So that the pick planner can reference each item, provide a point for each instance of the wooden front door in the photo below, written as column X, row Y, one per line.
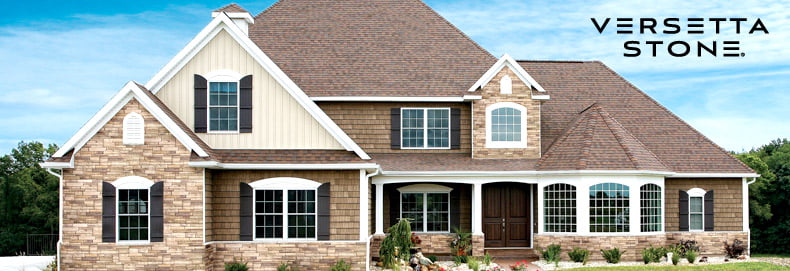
column 506, row 215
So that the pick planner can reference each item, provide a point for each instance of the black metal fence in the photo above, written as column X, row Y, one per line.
column 41, row 244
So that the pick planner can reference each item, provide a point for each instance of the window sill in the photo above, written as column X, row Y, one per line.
column 223, row 132
column 133, row 243
column 437, row 148
column 591, row 234
column 282, row 240
column 506, row 145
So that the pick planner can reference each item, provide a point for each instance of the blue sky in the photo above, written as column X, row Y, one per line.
column 65, row 59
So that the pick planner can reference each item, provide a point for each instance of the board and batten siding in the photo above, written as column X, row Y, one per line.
column 278, row 122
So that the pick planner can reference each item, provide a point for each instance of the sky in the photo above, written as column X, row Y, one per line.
column 65, row 59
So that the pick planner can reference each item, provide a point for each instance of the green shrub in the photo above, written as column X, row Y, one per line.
column 286, row 267
column 653, row 254
column 433, row 258
column 341, row 266
column 552, row 253
column 399, row 237
column 579, row 255
column 459, row 259
column 735, row 249
column 236, row 266
column 691, row 256
column 675, row 258
column 612, row 255
column 473, row 264
column 684, row 246
column 487, row 259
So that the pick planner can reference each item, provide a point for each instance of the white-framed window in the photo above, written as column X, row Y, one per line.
column 133, row 129
column 506, row 125
column 609, row 208
column 425, row 128
column 223, row 101
column 559, row 208
column 285, row 208
column 133, row 209
column 650, row 208
column 696, row 209
column 428, row 206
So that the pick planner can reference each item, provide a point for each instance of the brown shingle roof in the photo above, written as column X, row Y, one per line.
column 369, row 48
column 449, row 162
column 231, row 8
column 287, row 156
column 576, row 85
column 596, row 141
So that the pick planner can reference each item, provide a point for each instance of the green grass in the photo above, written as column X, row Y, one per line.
column 770, row 255
column 717, row 267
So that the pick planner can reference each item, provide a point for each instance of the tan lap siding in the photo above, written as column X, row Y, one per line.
column 727, row 201
column 105, row 159
column 344, row 189
column 368, row 123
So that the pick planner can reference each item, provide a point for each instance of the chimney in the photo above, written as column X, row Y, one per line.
column 238, row 15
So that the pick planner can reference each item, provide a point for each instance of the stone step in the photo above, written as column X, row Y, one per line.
column 514, row 253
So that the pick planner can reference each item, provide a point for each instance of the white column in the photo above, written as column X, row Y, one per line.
column 540, row 188
column 477, row 209
column 634, row 219
column 582, row 207
column 379, row 209
column 363, row 206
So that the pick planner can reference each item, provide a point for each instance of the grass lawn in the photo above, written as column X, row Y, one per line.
column 771, row 255
column 754, row 266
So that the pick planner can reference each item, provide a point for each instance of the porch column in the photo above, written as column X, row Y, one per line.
column 379, row 209
column 477, row 209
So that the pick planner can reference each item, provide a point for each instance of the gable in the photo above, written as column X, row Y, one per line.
column 279, row 121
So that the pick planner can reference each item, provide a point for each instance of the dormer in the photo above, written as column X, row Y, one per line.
column 506, row 120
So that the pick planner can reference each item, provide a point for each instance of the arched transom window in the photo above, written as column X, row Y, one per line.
column 506, row 125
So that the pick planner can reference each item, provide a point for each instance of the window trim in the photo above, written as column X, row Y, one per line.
column 575, row 200
column 426, row 189
column 697, row 193
column 222, row 76
column 283, row 184
column 660, row 211
column 131, row 183
column 425, row 128
column 490, row 143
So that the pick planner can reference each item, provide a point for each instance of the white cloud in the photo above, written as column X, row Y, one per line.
column 738, row 134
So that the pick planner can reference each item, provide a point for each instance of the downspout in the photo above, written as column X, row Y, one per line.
column 749, row 232
column 367, row 245
column 60, row 212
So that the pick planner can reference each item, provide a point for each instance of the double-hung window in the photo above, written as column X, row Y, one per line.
column 133, row 214
column 223, row 106
column 696, row 214
column 427, row 206
column 289, row 213
column 425, row 128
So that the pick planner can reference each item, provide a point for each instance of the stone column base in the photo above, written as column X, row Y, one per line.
column 478, row 245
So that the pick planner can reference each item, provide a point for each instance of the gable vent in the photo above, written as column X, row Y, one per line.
column 133, row 129
column 506, row 85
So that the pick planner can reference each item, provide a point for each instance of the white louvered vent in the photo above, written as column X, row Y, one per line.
column 505, row 85
column 133, row 129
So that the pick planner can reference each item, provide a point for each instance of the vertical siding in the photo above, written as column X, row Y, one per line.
column 279, row 122
column 727, row 202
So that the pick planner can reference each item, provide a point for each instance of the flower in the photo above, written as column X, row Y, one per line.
column 415, row 240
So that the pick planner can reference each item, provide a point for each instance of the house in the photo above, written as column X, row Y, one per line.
column 299, row 135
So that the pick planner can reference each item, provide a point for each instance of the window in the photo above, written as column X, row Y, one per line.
column 425, row 128
column 506, row 126
column 285, row 208
column 132, row 214
column 133, row 129
column 609, row 208
column 428, row 205
column 695, row 214
column 559, row 208
column 650, row 208
column 223, row 106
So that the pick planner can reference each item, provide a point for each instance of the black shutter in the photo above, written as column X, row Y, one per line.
column 108, row 213
column 245, row 104
column 201, row 86
column 394, row 206
column 245, row 212
column 324, row 222
column 455, row 128
column 157, row 212
column 683, row 210
column 709, row 211
column 395, row 128
column 455, row 209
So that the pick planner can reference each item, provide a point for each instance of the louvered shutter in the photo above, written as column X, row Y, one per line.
column 157, row 212
column 245, row 212
column 324, row 221
column 201, row 106
column 395, row 128
column 683, row 210
column 455, row 128
column 108, row 213
column 709, row 211
column 245, row 104
column 455, row 209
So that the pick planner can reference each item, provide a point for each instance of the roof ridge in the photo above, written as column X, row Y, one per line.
column 621, row 141
column 233, row 7
column 561, row 137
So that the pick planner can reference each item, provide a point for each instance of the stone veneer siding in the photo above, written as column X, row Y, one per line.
column 433, row 244
column 223, row 211
column 303, row 255
column 727, row 201
column 522, row 95
column 368, row 124
column 105, row 159
column 710, row 243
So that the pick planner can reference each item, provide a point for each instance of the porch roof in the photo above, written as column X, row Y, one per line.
column 449, row 162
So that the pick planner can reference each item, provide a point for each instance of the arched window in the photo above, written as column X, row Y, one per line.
column 609, row 208
column 285, row 208
column 650, row 208
column 505, row 85
column 506, row 125
column 133, row 129
column 559, row 208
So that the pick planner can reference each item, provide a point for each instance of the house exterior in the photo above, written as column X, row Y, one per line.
column 299, row 135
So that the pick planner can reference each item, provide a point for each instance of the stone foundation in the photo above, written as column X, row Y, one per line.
column 710, row 243
column 303, row 255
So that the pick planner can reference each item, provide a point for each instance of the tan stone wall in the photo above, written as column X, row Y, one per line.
column 522, row 95
column 105, row 159
column 368, row 124
column 303, row 255
column 224, row 210
column 727, row 201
